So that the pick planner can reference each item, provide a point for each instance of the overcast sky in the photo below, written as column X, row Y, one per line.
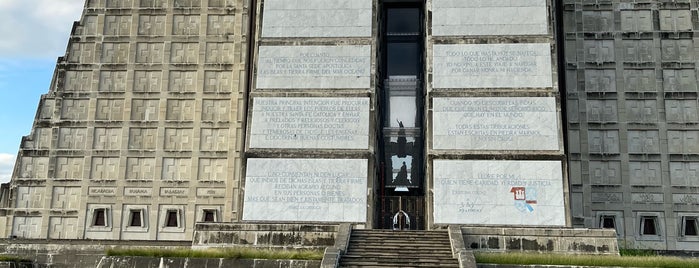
column 34, row 34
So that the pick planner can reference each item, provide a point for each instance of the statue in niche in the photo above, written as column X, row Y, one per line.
column 402, row 176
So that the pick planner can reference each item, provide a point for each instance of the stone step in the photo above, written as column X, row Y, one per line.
column 398, row 262
column 377, row 248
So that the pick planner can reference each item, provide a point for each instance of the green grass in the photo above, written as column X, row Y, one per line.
column 585, row 260
column 228, row 253
column 12, row 258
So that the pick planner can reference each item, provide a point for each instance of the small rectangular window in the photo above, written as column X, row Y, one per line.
column 649, row 225
column 172, row 219
column 136, row 219
column 689, row 226
column 99, row 217
column 209, row 215
column 608, row 222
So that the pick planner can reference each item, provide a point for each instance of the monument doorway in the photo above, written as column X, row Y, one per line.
column 401, row 108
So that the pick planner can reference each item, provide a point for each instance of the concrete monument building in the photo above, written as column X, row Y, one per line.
column 387, row 114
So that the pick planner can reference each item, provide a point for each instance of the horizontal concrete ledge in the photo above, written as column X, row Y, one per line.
column 265, row 235
column 542, row 266
column 538, row 231
column 253, row 226
column 90, row 242
column 150, row 262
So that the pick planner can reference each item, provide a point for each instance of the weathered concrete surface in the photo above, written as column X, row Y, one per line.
column 331, row 257
column 148, row 262
column 553, row 240
column 264, row 235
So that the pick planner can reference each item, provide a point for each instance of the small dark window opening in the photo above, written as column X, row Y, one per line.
column 172, row 219
column 99, row 217
column 648, row 226
column 690, row 226
column 209, row 215
column 608, row 222
column 136, row 219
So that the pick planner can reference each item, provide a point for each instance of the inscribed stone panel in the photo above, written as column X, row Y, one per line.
column 63, row 228
column 339, row 123
column 40, row 139
column 647, row 198
column 78, row 81
column 74, row 109
column 214, row 139
column 183, row 81
column 683, row 142
column 598, row 21
column 117, row 25
column 484, row 17
column 140, row 168
column 677, row 50
column 308, row 190
column 679, row 80
column 512, row 123
column 689, row 199
column 186, row 3
column 110, row 109
column 46, row 108
column 221, row 3
column 144, row 109
column 314, row 67
column 684, row 173
column 213, row 169
column 218, row 82
column 645, row 173
column 178, row 139
column 602, row 111
column 639, row 80
column 65, row 198
column 220, row 25
column 115, row 53
column 105, row 168
column 317, row 18
column 681, row 111
column 69, row 167
column 180, row 110
column 27, row 227
column 153, row 3
column 186, row 24
column 72, row 138
column 600, row 80
column 636, row 21
column 107, row 139
column 112, row 81
column 603, row 141
column 638, row 50
column 176, row 169
column 119, row 4
column 523, row 193
column 149, row 52
column 675, row 20
column 142, row 138
column 605, row 172
column 30, row 197
column 35, row 167
column 643, row 141
column 187, row 53
column 598, row 51
column 641, row 111
column 216, row 110
column 151, row 25
column 81, row 53
column 147, row 81
column 492, row 66
column 221, row 53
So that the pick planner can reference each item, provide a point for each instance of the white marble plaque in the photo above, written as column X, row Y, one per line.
column 488, row 17
column 323, row 123
column 497, row 123
column 492, row 66
column 306, row 190
column 301, row 67
column 522, row 193
column 317, row 18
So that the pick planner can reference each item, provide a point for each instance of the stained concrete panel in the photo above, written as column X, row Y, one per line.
column 305, row 67
column 515, row 123
column 487, row 17
column 492, row 66
column 307, row 190
column 317, row 18
column 524, row 193
column 339, row 123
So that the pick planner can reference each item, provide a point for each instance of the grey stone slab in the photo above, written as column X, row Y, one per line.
column 498, row 192
column 487, row 17
column 305, row 67
column 317, row 18
column 306, row 190
column 329, row 123
column 496, row 123
column 492, row 66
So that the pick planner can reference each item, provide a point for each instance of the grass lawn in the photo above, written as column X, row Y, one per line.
column 586, row 260
column 228, row 253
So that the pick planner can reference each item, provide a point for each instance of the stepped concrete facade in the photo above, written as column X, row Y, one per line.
column 402, row 115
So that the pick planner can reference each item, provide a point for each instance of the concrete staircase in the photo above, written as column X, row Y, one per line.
column 386, row 248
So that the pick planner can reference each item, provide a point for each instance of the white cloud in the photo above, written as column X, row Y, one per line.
column 37, row 28
column 7, row 163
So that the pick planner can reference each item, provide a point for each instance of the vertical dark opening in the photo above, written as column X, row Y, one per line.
column 99, row 218
column 172, row 219
column 648, row 226
column 690, row 226
column 608, row 222
column 136, row 219
column 209, row 216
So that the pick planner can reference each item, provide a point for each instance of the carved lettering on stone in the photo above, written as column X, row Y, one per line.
column 219, row 53
column 112, row 81
column 144, row 109
column 176, row 169
column 605, row 172
column 216, row 110
column 186, row 24
column 110, row 109
column 105, row 168
column 101, row 191
column 147, row 81
column 214, row 139
column 117, row 25
column 65, row 198
column 183, row 81
column 606, row 197
column 168, row 191
column 644, row 173
column 603, row 141
column 681, row 111
column 78, row 81
column 69, row 167
column 74, row 109
column 688, row 199
column 213, row 169
column 35, row 167
column 187, row 53
column 337, row 18
column 133, row 191
column 149, row 52
column 457, row 18
column 684, row 173
column 683, row 142
column 211, row 192
column 142, row 138
column 178, row 139
column 218, row 82
column 140, row 168
column 72, row 138
column 153, row 25
column 642, row 111
column 107, row 139
column 220, row 25
column 81, row 53
column 180, row 110
column 645, row 198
